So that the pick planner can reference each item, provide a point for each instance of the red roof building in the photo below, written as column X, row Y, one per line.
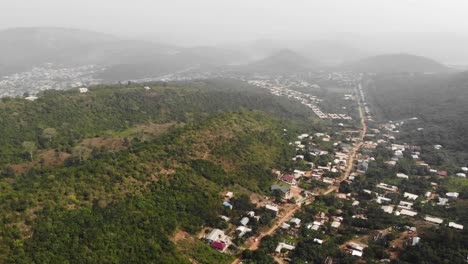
column 442, row 173
column 218, row 245
column 288, row 178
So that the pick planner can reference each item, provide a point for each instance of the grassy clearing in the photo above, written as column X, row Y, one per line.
column 456, row 184
column 201, row 252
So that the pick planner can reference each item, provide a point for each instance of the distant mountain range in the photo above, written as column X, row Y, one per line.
column 395, row 63
column 123, row 59
column 24, row 48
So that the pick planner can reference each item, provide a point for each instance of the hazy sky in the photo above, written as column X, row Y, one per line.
column 215, row 21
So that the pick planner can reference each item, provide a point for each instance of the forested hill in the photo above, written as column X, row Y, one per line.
column 133, row 166
column 395, row 63
column 439, row 102
column 60, row 120
column 123, row 207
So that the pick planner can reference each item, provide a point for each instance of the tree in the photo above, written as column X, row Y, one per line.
column 81, row 152
column 30, row 147
column 49, row 133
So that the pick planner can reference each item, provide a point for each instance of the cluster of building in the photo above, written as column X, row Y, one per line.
column 405, row 205
column 48, row 77
column 311, row 101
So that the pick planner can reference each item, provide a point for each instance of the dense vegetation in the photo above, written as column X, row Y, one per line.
column 439, row 103
column 124, row 205
column 59, row 120
column 395, row 63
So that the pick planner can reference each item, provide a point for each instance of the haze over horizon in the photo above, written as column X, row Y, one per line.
column 373, row 26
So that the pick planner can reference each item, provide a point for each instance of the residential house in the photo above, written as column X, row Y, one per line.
column 387, row 208
column 363, row 165
column 406, row 212
column 336, row 224
column 456, row 226
column 83, row 90
column 405, row 205
column 442, row 201
column 296, row 221
column 217, row 235
column 289, row 179
column 387, row 187
column 434, row 220
column 272, row 208
column 227, row 204
column 285, row 192
column 442, row 173
column 410, row 196
column 284, row 245
column 243, row 230
column 318, row 241
column 219, row 245
column 453, row 195
column 402, row 176
column 244, row 221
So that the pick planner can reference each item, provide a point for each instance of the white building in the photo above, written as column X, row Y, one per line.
column 454, row 225
column 272, row 208
column 318, row 241
column 407, row 212
column 410, row 196
column 434, row 220
column 387, row 208
column 243, row 230
column 284, row 245
column 402, row 176
column 335, row 224
column 296, row 221
column 452, row 194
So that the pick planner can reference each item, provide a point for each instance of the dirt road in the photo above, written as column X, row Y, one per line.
column 346, row 174
column 354, row 151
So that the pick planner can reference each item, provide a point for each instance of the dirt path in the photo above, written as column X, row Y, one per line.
column 284, row 218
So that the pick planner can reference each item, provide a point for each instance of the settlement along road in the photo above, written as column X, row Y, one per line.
column 346, row 174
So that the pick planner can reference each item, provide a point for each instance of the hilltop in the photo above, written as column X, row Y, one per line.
column 75, row 116
column 395, row 63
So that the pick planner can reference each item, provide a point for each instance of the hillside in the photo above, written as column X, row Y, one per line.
column 283, row 61
column 118, row 170
column 439, row 102
column 123, row 207
column 395, row 63
column 73, row 116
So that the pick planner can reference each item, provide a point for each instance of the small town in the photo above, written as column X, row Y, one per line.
column 332, row 194
column 48, row 77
